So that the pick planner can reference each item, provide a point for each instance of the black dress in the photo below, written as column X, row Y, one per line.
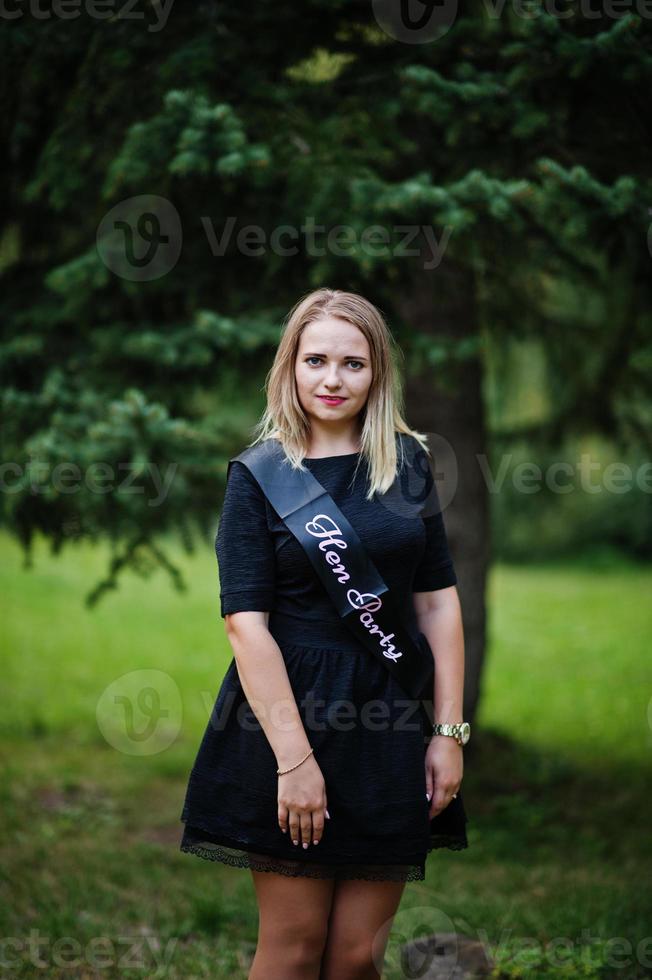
column 370, row 751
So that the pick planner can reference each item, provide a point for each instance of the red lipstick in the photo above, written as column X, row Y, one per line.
column 327, row 400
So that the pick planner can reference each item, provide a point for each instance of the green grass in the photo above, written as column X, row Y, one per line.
column 556, row 777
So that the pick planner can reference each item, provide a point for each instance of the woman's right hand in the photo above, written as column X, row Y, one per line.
column 302, row 803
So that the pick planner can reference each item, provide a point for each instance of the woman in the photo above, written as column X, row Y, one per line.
column 310, row 773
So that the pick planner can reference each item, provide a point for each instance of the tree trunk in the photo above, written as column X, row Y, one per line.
column 442, row 305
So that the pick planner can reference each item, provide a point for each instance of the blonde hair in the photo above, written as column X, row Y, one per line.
column 382, row 416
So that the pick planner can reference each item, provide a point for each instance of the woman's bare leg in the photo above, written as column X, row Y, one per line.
column 292, row 926
column 361, row 918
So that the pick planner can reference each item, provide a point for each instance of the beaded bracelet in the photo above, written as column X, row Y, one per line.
column 279, row 773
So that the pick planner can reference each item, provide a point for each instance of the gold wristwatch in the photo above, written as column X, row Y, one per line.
column 461, row 731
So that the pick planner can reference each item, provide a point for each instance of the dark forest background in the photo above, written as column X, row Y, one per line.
column 489, row 189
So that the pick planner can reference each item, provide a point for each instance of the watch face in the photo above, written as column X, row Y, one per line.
column 465, row 732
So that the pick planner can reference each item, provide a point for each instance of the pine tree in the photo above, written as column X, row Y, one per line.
column 515, row 151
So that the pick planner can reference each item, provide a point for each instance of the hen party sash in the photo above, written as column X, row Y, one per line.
column 359, row 593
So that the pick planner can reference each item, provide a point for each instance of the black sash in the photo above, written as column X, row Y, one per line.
column 359, row 594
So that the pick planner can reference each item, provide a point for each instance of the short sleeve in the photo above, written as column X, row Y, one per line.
column 244, row 546
column 436, row 569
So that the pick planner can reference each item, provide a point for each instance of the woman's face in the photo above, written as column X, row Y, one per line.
column 333, row 359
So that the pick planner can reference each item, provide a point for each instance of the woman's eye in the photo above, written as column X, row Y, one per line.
column 314, row 357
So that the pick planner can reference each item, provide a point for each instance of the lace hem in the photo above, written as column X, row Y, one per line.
column 296, row 869
column 205, row 845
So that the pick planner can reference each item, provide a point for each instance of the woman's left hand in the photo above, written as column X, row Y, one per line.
column 444, row 770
